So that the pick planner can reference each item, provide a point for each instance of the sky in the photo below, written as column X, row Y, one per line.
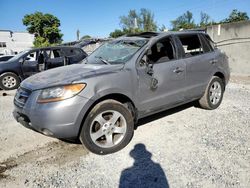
column 98, row 18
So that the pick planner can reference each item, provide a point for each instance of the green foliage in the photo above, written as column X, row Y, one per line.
column 184, row 21
column 236, row 16
column 86, row 37
column 205, row 19
column 135, row 22
column 162, row 28
column 147, row 20
column 117, row 33
column 143, row 21
column 45, row 27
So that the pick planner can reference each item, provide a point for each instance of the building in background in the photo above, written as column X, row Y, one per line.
column 15, row 42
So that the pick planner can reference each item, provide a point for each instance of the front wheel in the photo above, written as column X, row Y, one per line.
column 9, row 81
column 213, row 95
column 108, row 128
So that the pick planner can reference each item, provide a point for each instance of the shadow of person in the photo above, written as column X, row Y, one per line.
column 144, row 172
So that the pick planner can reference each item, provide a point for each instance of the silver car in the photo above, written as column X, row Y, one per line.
column 100, row 100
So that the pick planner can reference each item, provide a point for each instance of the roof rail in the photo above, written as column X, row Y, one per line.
column 143, row 34
column 196, row 29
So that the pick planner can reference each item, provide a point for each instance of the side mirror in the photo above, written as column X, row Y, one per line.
column 144, row 61
column 21, row 60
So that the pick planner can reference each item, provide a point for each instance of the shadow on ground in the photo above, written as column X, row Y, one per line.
column 144, row 172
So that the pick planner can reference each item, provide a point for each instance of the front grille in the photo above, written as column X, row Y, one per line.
column 21, row 97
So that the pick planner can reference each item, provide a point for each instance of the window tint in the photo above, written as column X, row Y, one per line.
column 162, row 51
column 191, row 45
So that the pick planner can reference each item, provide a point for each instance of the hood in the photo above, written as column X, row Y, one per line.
column 5, row 62
column 67, row 75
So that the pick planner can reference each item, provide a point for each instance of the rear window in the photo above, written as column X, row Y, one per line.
column 209, row 42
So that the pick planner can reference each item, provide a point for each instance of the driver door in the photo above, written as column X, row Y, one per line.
column 162, row 79
column 30, row 64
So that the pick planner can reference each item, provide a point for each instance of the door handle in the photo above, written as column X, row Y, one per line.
column 178, row 70
column 213, row 61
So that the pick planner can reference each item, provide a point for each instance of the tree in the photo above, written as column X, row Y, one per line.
column 86, row 37
column 205, row 19
column 128, row 22
column 135, row 22
column 184, row 21
column 117, row 33
column 162, row 28
column 45, row 27
column 236, row 16
column 147, row 20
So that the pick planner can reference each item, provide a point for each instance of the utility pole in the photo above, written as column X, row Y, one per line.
column 135, row 23
column 77, row 34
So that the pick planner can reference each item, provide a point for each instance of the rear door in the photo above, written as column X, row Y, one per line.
column 199, row 59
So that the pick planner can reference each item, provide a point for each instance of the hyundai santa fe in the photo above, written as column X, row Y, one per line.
column 100, row 100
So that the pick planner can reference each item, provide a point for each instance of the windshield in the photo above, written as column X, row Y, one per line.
column 18, row 55
column 115, row 52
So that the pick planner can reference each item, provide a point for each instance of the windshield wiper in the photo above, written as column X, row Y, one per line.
column 103, row 60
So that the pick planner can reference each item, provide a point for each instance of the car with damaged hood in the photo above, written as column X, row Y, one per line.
column 30, row 62
column 100, row 100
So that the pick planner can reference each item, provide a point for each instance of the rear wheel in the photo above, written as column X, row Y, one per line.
column 9, row 81
column 108, row 128
column 213, row 95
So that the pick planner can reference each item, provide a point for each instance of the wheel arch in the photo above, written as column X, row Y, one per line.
column 11, row 71
column 115, row 96
column 222, row 77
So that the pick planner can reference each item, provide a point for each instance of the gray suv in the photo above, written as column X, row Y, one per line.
column 100, row 100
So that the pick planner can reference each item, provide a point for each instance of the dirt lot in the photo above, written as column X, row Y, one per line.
column 183, row 147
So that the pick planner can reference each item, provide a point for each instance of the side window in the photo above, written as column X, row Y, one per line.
column 162, row 51
column 32, row 56
column 77, row 51
column 209, row 41
column 191, row 45
column 55, row 53
column 69, row 52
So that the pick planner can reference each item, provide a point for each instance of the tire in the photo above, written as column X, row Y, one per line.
column 213, row 95
column 108, row 128
column 9, row 81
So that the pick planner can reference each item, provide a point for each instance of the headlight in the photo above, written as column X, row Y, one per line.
column 60, row 93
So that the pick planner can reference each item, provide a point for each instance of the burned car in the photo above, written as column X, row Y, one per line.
column 131, row 77
column 30, row 62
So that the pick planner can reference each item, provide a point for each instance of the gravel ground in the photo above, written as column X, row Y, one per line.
column 182, row 147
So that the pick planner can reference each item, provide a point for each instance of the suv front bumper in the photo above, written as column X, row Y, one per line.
column 61, row 119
